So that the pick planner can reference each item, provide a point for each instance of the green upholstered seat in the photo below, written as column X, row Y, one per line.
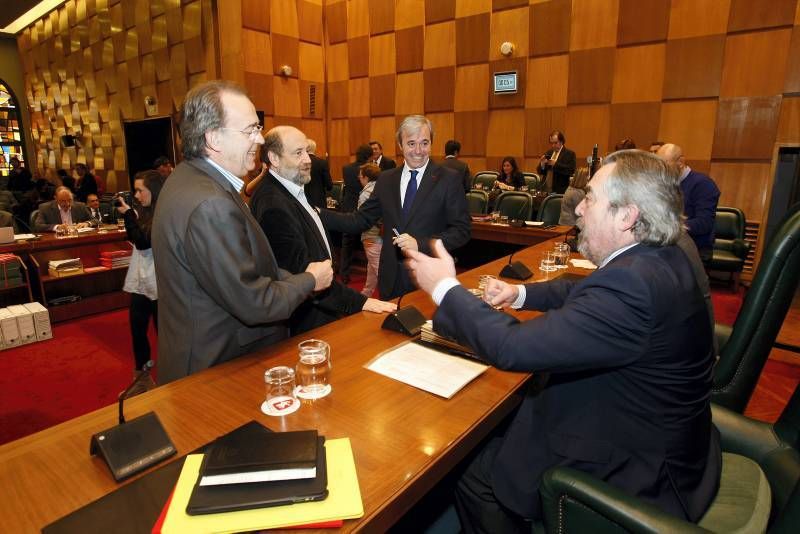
column 743, row 355
column 477, row 200
column 550, row 209
column 730, row 248
column 484, row 180
column 533, row 181
column 516, row 205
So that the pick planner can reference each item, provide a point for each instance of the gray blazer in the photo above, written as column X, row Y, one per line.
column 220, row 291
column 49, row 216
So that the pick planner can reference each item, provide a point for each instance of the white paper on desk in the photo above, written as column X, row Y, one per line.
column 85, row 229
column 24, row 236
column 583, row 264
column 426, row 369
column 534, row 223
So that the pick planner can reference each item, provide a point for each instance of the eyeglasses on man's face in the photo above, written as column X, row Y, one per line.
column 251, row 131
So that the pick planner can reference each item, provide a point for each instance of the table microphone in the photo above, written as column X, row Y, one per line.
column 408, row 320
column 134, row 445
column 518, row 221
column 515, row 270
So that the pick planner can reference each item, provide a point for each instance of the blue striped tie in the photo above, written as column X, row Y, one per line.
column 411, row 191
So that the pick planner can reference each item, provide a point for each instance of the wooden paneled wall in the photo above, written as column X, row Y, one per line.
column 721, row 78
column 90, row 64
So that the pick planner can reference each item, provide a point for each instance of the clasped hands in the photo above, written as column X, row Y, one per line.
column 428, row 271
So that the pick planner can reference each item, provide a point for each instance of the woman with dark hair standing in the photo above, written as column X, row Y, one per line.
column 511, row 179
column 140, row 281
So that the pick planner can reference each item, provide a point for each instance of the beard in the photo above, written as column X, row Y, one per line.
column 583, row 244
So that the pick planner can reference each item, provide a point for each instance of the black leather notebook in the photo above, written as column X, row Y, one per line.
column 246, row 496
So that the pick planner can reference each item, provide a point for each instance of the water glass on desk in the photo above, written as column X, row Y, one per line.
column 561, row 254
column 280, row 384
column 548, row 263
column 313, row 369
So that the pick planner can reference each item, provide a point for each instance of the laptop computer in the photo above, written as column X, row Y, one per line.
column 6, row 235
column 246, row 496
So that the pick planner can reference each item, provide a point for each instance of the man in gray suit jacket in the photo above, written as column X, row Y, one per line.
column 62, row 210
column 220, row 292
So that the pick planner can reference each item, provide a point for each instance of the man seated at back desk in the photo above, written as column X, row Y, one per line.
column 295, row 230
column 628, row 349
column 60, row 212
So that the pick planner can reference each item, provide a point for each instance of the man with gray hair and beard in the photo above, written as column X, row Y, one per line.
column 221, row 293
column 628, row 350
column 295, row 230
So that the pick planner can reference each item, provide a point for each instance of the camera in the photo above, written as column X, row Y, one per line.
column 124, row 195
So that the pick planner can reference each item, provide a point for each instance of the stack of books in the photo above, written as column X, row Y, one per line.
column 112, row 259
column 68, row 267
column 10, row 274
column 254, row 479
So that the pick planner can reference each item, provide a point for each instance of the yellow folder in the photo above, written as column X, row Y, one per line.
column 343, row 502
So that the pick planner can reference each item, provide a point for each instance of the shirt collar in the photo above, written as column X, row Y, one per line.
column 290, row 186
column 616, row 253
column 685, row 173
column 407, row 170
column 236, row 182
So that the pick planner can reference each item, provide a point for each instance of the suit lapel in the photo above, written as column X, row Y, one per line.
column 310, row 224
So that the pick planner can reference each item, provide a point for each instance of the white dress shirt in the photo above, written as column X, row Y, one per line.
column 236, row 182
column 406, row 177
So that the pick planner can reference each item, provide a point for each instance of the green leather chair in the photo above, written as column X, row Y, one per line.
column 759, row 490
column 550, row 209
column 478, row 201
column 730, row 248
column 516, row 205
column 485, row 180
column 532, row 181
column 744, row 352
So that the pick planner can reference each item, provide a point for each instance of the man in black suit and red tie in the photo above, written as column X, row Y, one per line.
column 558, row 164
column 419, row 200
column 379, row 159
column 628, row 349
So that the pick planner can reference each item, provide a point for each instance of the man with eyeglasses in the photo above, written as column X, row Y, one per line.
column 221, row 293
column 558, row 164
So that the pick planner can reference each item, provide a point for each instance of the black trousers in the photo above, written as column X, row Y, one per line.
column 477, row 507
column 349, row 242
column 142, row 308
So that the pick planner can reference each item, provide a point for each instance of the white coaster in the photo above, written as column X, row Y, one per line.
column 280, row 406
column 311, row 395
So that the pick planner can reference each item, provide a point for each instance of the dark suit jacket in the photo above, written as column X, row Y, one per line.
column 320, row 182
column 700, row 198
column 439, row 210
column 352, row 187
column 563, row 168
column 108, row 213
column 296, row 241
column 221, row 293
column 387, row 163
column 629, row 352
column 86, row 186
column 461, row 168
column 49, row 215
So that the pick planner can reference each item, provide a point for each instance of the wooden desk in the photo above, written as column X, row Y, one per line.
column 404, row 440
column 526, row 235
column 99, row 291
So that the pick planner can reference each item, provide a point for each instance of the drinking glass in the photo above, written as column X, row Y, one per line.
column 120, row 224
column 72, row 229
column 561, row 254
column 61, row 230
column 548, row 263
column 313, row 369
column 495, row 216
column 280, row 384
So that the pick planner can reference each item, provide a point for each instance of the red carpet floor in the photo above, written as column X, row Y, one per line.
column 89, row 361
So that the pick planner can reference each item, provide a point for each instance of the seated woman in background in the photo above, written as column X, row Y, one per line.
column 510, row 178
column 573, row 196
column 140, row 281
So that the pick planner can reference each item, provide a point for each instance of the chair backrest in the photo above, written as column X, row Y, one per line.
column 760, row 318
column 478, row 201
column 550, row 209
column 484, row 179
column 728, row 224
column 516, row 205
column 532, row 181
column 31, row 219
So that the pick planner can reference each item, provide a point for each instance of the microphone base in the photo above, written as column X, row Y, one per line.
column 516, row 270
column 132, row 446
column 406, row 320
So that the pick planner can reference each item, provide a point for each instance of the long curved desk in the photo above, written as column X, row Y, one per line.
column 404, row 440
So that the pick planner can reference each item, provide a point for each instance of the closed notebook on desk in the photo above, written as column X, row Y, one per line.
column 247, row 496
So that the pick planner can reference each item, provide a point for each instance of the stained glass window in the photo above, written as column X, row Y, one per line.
column 11, row 142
